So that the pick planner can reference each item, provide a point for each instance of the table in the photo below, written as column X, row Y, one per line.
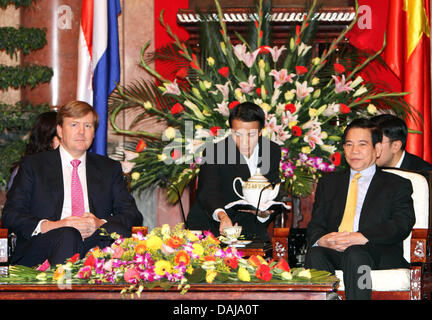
column 222, row 291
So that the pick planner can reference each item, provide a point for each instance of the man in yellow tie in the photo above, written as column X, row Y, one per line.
column 361, row 215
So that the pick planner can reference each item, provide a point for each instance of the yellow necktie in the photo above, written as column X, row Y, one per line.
column 350, row 206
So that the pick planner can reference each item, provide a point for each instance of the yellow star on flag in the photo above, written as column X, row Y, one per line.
column 417, row 23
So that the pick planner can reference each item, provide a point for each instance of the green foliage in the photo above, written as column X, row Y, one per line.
column 13, row 40
column 17, row 3
column 30, row 75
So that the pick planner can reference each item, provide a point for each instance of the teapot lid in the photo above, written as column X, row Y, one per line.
column 258, row 177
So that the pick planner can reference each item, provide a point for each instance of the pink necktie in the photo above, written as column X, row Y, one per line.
column 77, row 197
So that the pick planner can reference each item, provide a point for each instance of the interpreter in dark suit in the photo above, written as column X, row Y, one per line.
column 60, row 198
column 395, row 132
column 367, row 234
column 238, row 155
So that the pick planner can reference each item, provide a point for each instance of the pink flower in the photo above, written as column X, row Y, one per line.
column 44, row 266
column 118, row 252
column 131, row 275
column 340, row 85
column 281, row 77
column 276, row 52
column 84, row 272
column 247, row 87
column 302, row 90
column 249, row 58
column 313, row 137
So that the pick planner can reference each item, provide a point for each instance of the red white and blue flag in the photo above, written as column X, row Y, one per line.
column 98, row 61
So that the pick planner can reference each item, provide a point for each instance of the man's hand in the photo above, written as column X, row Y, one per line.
column 340, row 241
column 87, row 224
column 225, row 221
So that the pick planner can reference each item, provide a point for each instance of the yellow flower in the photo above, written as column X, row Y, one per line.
column 265, row 106
column 210, row 276
column 371, row 109
column 316, row 61
column 207, row 84
column 243, row 274
column 292, row 123
column 315, row 81
column 289, row 95
column 148, row 105
column 323, row 135
column 210, row 61
column 170, row 133
column 154, row 243
column 223, row 47
column 312, row 112
column 161, row 157
column 191, row 236
column 261, row 64
column 286, row 275
column 59, row 274
column 165, row 229
column 162, row 267
column 135, row 175
column 306, row 150
column 198, row 249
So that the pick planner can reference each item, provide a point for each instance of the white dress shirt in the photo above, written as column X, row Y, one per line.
column 398, row 165
column 66, row 159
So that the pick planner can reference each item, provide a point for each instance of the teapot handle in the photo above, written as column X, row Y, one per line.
column 234, row 187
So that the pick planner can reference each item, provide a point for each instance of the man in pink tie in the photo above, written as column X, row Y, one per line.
column 60, row 198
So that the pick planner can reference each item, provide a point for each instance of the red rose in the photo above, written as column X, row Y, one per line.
column 224, row 72
column 74, row 258
column 339, row 68
column 296, row 131
column 177, row 108
column 301, row 70
column 344, row 108
column 214, row 131
column 282, row 265
column 264, row 49
column 231, row 262
column 182, row 73
column 140, row 146
column 233, row 104
column 335, row 158
column 258, row 91
column 263, row 272
column 290, row 107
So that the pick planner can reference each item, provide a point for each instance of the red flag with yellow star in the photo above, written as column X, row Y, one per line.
column 408, row 55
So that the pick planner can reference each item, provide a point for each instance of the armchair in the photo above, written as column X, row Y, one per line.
column 414, row 283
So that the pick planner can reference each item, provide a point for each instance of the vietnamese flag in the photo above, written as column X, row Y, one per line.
column 408, row 55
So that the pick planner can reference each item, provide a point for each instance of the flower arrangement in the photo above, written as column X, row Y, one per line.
column 308, row 98
column 165, row 257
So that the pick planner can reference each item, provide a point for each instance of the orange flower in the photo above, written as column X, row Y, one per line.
column 59, row 273
column 140, row 248
column 231, row 262
column 141, row 146
column 174, row 242
column 182, row 256
column 209, row 258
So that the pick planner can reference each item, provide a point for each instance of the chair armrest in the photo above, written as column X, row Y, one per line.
column 420, row 242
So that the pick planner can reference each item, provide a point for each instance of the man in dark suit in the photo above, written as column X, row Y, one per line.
column 382, row 215
column 238, row 155
column 395, row 132
column 60, row 198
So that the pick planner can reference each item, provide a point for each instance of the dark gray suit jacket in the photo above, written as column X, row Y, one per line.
column 387, row 215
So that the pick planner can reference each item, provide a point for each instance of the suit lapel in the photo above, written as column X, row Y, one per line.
column 56, row 181
column 93, row 180
column 373, row 191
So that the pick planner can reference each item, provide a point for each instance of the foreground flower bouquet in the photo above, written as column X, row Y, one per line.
column 165, row 257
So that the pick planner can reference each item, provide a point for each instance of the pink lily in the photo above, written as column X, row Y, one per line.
column 313, row 137
column 249, row 58
column 340, row 85
column 239, row 51
column 281, row 77
column 248, row 86
column 276, row 52
column 302, row 90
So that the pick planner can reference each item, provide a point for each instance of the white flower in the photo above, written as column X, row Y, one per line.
column 313, row 137
column 340, row 85
column 303, row 49
column 127, row 166
column 249, row 58
column 224, row 89
column 239, row 51
column 331, row 110
column 172, row 88
column 360, row 91
column 356, row 82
